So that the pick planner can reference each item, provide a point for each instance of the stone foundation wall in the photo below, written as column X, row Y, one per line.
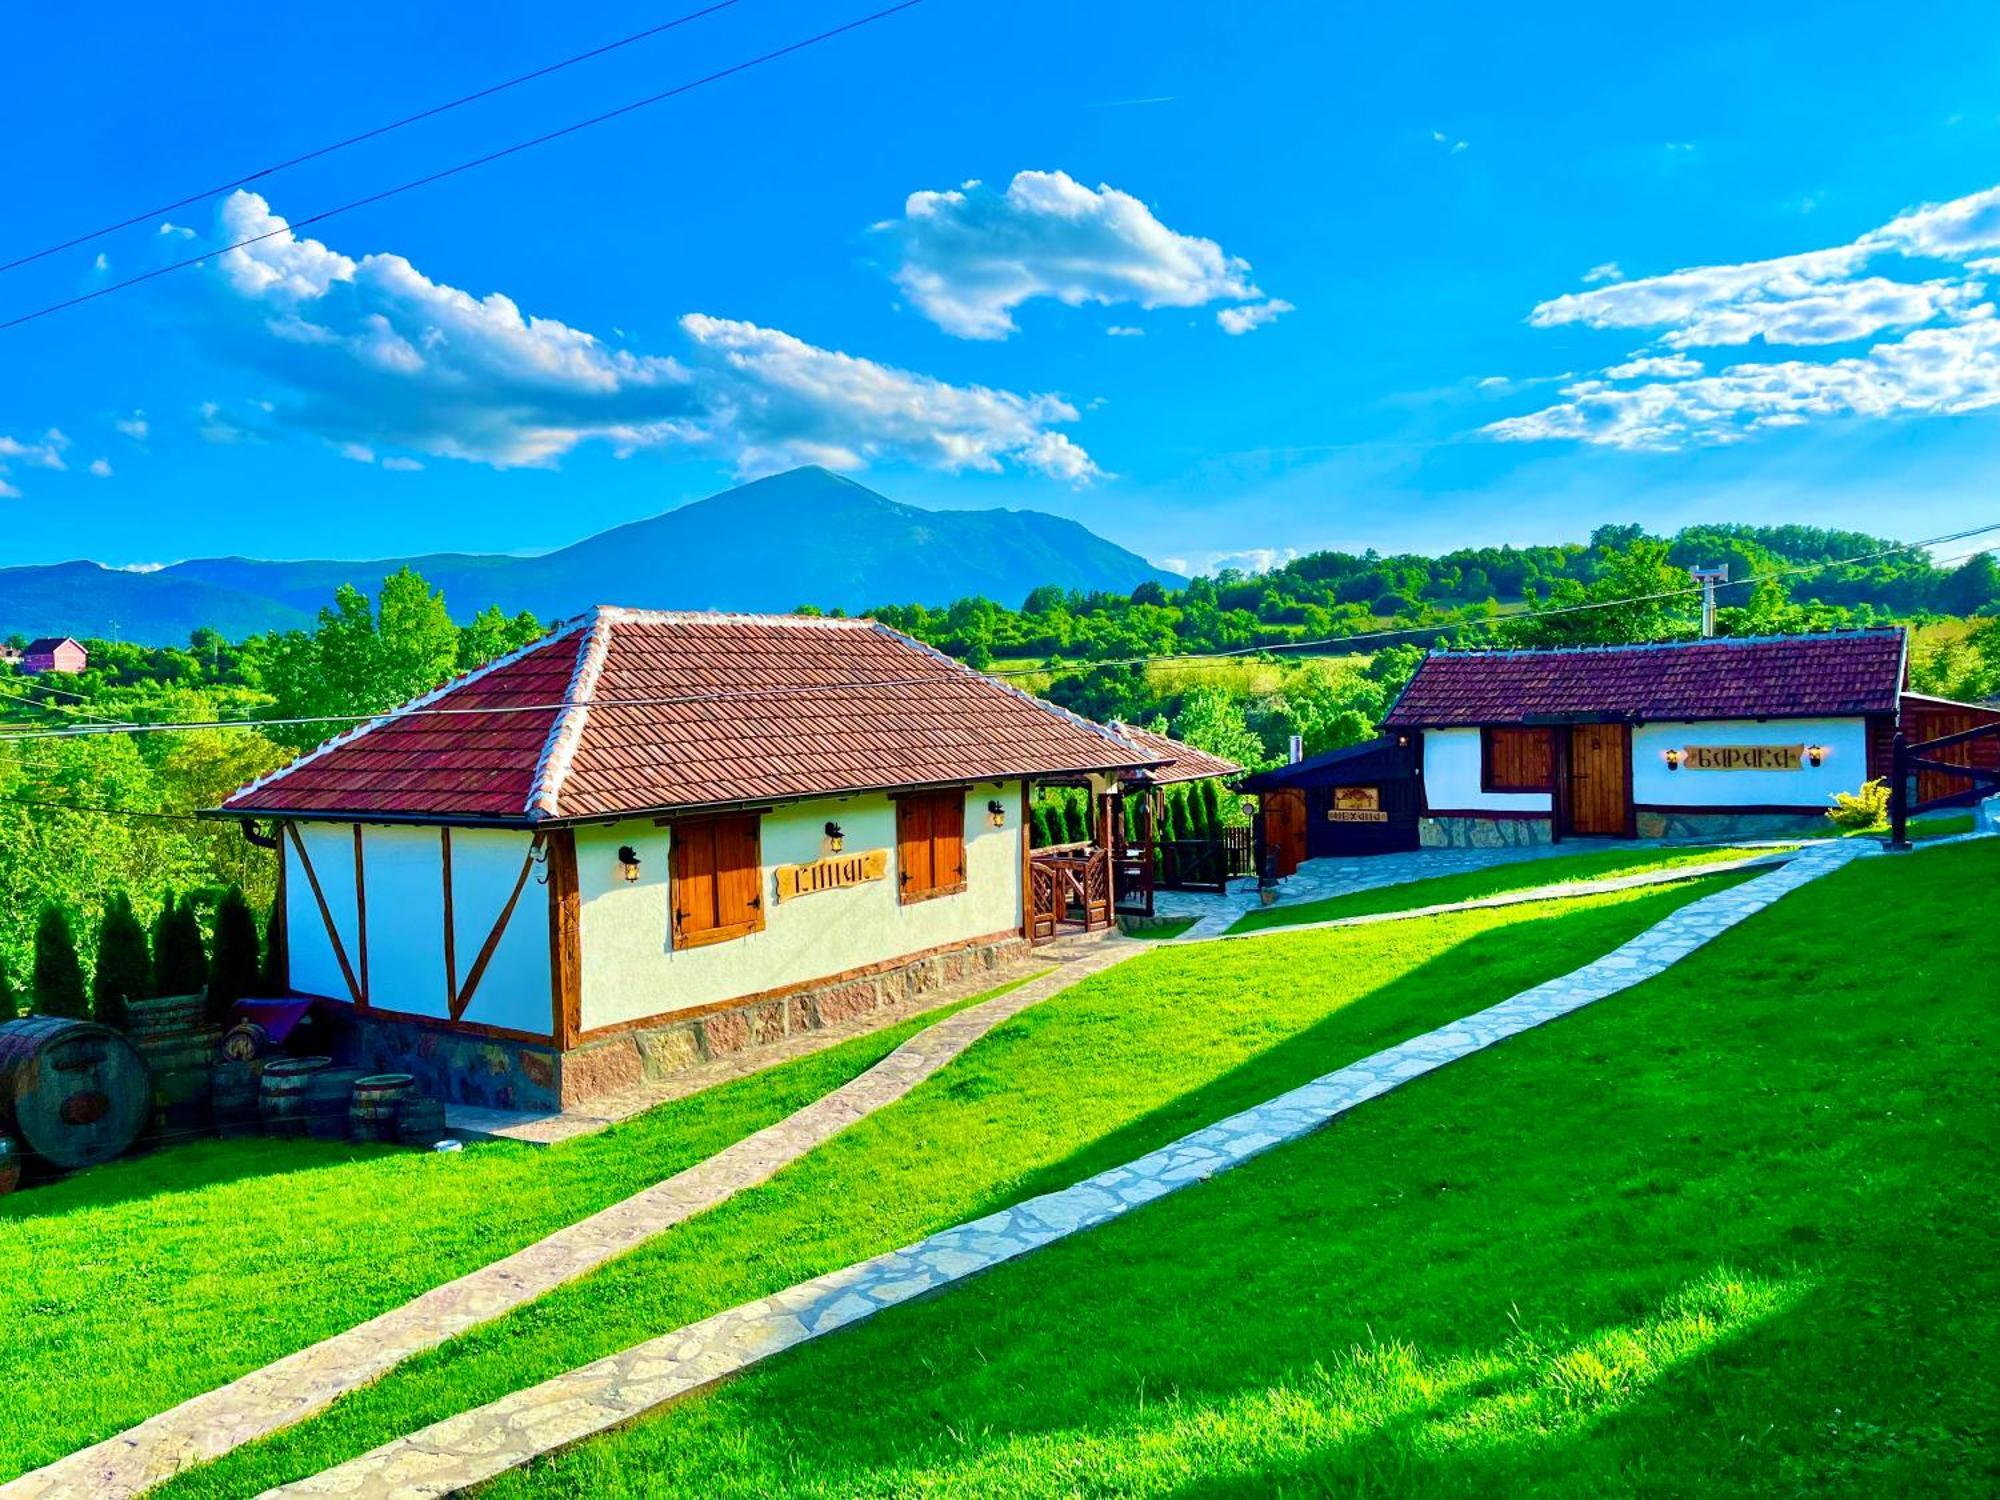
column 1723, row 824
column 453, row 1066
column 648, row 1052
column 1484, row 833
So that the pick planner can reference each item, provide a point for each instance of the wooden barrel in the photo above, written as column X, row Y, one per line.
column 164, row 1013
column 10, row 1164
column 329, row 1095
column 419, row 1121
column 373, row 1117
column 182, row 1064
column 233, row 1090
column 281, row 1101
column 72, row 1092
column 247, row 1041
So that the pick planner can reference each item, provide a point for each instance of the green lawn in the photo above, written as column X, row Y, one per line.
column 1159, row 929
column 1476, row 885
column 144, row 1282
column 1730, row 1233
column 1170, row 1040
column 1936, row 826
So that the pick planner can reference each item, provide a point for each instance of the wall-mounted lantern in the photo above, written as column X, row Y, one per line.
column 1673, row 760
column 996, row 814
column 1816, row 754
column 834, row 838
column 628, row 863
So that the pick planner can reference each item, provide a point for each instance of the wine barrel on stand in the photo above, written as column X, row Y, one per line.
column 73, row 1092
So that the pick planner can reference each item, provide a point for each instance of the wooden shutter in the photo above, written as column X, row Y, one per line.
column 718, row 885
column 947, row 843
column 1519, row 760
column 914, row 870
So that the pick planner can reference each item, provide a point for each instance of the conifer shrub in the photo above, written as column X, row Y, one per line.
column 124, row 971
column 58, row 976
column 180, row 961
column 273, row 979
column 232, row 967
column 10, row 1006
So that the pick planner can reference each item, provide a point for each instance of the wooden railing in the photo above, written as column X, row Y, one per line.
column 1909, row 759
column 1207, row 864
column 1070, row 889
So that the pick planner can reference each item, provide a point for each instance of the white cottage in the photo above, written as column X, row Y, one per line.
column 1728, row 737
column 653, row 838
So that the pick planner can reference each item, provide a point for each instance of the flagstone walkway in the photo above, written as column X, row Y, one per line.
column 295, row 1387
column 475, row 1446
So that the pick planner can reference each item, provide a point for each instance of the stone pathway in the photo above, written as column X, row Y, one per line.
column 1319, row 879
column 608, row 1109
column 476, row 1446
column 1561, row 890
column 295, row 1387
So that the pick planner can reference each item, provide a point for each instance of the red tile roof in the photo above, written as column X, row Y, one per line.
column 1748, row 677
column 1185, row 763
column 634, row 711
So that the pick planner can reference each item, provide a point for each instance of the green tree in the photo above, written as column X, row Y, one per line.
column 1210, row 719
column 58, row 976
column 232, row 967
column 180, row 963
column 124, row 969
column 493, row 634
column 1637, row 595
column 10, row 1007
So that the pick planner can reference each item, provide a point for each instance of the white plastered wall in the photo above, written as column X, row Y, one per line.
column 1451, row 777
column 630, row 970
column 403, row 876
column 1844, row 769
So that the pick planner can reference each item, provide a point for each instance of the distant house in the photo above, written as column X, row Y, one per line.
column 10, row 656
column 54, row 654
column 652, row 838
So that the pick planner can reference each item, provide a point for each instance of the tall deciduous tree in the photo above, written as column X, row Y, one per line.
column 232, row 968
column 124, row 970
column 58, row 979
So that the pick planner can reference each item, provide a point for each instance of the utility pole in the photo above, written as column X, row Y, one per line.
column 1708, row 578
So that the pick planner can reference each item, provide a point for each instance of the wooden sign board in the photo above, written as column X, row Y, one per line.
column 1743, row 757
column 833, row 874
column 1356, row 804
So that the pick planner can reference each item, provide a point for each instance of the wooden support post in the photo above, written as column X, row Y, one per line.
column 1899, row 794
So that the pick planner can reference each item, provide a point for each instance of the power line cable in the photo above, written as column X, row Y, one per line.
column 368, row 135
column 1063, row 669
column 466, row 166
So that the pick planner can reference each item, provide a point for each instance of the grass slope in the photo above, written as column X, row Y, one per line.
column 1475, row 885
column 1170, row 1040
column 152, row 1279
column 1731, row 1233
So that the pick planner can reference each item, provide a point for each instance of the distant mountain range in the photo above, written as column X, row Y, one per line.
column 807, row 536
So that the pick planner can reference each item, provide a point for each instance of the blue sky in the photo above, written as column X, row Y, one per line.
column 1234, row 279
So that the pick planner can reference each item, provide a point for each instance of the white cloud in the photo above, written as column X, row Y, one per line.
column 217, row 428
column 45, row 452
column 1608, row 271
column 971, row 255
column 100, row 468
column 401, row 465
column 777, row 400
column 102, row 263
column 1251, row 559
column 1669, row 364
column 1125, row 331
column 176, row 231
column 134, row 427
column 359, row 453
column 376, row 355
column 1454, row 147
column 1946, row 359
column 1240, row 320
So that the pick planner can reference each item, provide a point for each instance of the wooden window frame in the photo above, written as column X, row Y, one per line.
column 953, row 797
column 678, row 940
column 1486, row 780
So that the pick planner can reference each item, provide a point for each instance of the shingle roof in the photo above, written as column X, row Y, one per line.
column 1382, row 757
column 636, row 711
column 1746, row 677
column 1185, row 763
column 47, row 643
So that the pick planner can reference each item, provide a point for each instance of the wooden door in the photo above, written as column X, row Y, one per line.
column 1285, row 827
column 1600, row 781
